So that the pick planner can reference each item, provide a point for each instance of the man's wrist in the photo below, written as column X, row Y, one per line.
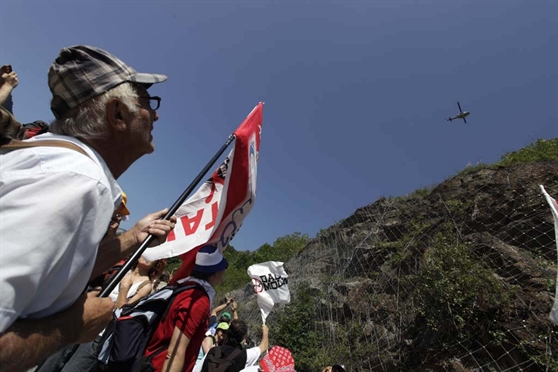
column 129, row 241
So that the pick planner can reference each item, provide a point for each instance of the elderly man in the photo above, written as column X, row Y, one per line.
column 57, row 204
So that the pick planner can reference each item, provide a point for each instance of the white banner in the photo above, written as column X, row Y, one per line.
column 554, row 207
column 270, row 282
column 197, row 219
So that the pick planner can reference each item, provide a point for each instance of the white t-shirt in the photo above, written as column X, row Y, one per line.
column 55, row 207
column 252, row 356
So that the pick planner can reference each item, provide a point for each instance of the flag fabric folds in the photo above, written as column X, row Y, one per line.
column 215, row 212
column 554, row 207
column 270, row 282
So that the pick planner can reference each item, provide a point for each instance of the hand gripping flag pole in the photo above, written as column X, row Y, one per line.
column 137, row 254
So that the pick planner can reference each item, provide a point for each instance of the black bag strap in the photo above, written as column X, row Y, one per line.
column 175, row 294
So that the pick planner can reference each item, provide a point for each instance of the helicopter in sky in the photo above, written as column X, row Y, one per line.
column 462, row 114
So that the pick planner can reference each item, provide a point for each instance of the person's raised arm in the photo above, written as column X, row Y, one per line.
column 27, row 342
column 264, row 344
column 8, row 81
column 233, row 308
column 221, row 307
column 114, row 249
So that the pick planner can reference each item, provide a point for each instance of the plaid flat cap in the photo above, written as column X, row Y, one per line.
column 82, row 72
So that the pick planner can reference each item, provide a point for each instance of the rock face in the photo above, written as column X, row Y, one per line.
column 459, row 277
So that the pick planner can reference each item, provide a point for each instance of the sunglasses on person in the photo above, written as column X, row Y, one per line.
column 154, row 102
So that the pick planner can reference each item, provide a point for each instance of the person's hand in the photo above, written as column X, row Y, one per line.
column 233, row 306
column 10, row 79
column 265, row 330
column 154, row 225
column 230, row 300
column 327, row 369
column 92, row 313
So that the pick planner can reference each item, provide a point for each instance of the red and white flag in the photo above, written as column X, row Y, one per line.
column 214, row 214
column 554, row 207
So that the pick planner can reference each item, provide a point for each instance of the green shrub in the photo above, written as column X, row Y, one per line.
column 541, row 150
column 455, row 296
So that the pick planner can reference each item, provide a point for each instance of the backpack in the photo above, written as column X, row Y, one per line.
column 125, row 339
column 217, row 360
column 35, row 128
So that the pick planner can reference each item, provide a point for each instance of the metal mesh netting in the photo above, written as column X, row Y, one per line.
column 460, row 277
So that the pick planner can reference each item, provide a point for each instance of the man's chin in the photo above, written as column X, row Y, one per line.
column 150, row 148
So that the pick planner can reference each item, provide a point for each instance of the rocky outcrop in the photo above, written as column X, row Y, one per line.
column 369, row 269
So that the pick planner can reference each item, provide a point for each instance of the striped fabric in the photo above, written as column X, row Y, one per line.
column 83, row 72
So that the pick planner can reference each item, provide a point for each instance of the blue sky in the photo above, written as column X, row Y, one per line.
column 356, row 92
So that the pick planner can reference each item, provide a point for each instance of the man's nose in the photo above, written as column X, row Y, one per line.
column 155, row 116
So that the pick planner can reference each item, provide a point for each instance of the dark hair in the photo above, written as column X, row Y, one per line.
column 237, row 332
column 201, row 275
column 338, row 368
column 165, row 276
column 154, row 271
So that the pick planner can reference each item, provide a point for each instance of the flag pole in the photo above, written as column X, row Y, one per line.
column 137, row 254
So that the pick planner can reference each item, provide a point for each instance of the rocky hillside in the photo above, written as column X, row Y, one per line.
column 459, row 277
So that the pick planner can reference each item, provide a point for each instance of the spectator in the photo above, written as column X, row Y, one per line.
column 8, row 82
column 225, row 317
column 161, row 282
column 104, row 111
column 177, row 340
column 210, row 341
column 10, row 128
column 135, row 285
column 139, row 282
column 245, row 357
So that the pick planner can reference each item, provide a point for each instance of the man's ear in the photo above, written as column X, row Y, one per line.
column 117, row 115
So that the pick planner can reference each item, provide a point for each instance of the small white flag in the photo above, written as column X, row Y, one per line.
column 270, row 282
column 554, row 207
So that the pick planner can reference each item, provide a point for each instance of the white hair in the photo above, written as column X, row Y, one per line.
column 88, row 121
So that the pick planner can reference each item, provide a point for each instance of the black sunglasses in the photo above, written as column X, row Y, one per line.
column 154, row 102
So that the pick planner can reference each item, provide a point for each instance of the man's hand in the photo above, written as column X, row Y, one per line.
column 154, row 225
column 113, row 249
column 96, row 314
column 28, row 342
column 10, row 79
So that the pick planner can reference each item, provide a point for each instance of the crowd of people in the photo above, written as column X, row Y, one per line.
column 53, row 266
